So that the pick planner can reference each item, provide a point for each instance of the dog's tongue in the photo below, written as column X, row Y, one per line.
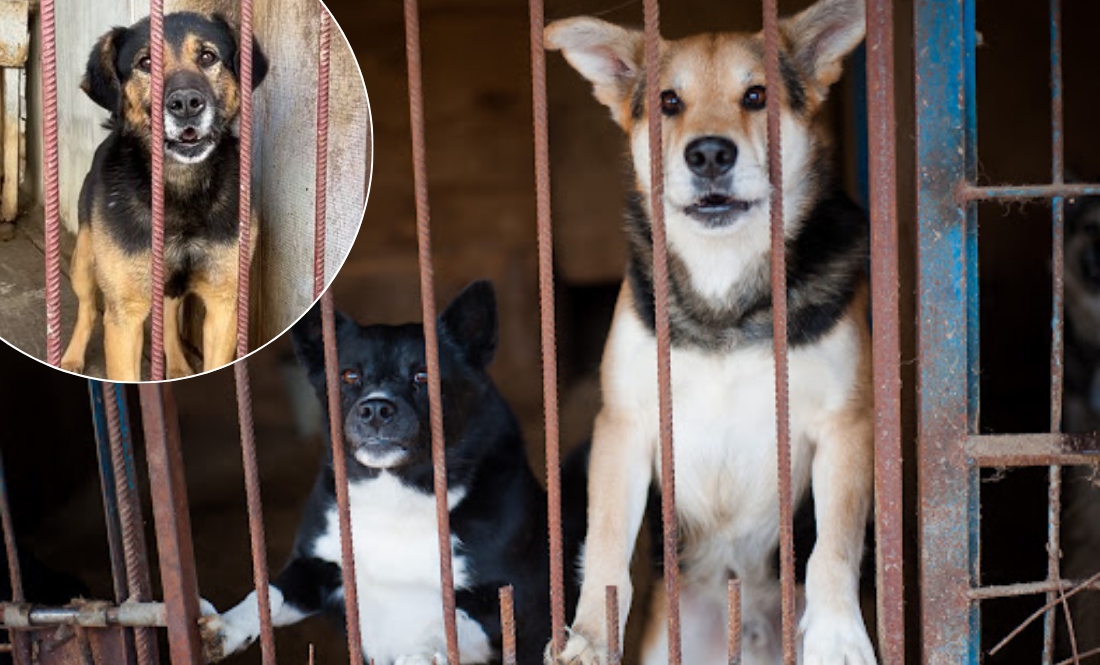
column 189, row 135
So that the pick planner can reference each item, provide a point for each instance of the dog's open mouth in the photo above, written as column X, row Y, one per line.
column 190, row 145
column 717, row 210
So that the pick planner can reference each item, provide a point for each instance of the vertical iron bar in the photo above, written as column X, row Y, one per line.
column 548, row 335
column 779, row 337
column 427, row 300
column 670, row 527
column 944, row 481
column 320, row 186
column 508, row 625
column 244, row 201
column 129, row 512
column 614, row 648
column 173, row 522
column 340, row 479
column 52, row 196
column 107, row 483
column 257, row 537
column 20, row 644
column 1057, row 326
column 882, row 171
column 733, row 593
column 156, row 55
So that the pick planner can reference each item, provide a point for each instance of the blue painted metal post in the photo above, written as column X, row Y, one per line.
column 947, row 516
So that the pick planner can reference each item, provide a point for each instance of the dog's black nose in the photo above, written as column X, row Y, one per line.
column 186, row 103
column 377, row 411
column 710, row 156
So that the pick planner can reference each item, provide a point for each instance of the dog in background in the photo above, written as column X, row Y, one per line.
column 497, row 508
column 1082, row 408
column 713, row 98
column 201, row 175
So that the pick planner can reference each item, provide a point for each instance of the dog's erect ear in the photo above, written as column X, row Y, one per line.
column 471, row 321
column 259, row 60
column 609, row 56
column 309, row 345
column 101, row 81
column 822, row 35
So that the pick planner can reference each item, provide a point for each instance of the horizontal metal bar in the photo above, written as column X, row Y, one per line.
column 89, row 614
column 1028, row 589
column 967, row 192
column 1016, row 450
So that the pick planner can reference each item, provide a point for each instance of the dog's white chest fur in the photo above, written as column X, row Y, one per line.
column 396, row 543
column 724, row 431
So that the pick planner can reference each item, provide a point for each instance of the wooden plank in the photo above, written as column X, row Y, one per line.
column 11, row 123
column 14, row 36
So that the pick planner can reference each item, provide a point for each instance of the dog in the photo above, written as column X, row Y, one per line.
column 498, row 510
column 716, row 203
column 1082, row 407
column 202, row 94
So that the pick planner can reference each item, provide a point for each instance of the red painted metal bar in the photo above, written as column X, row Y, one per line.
column 320, row 187
column 156, row 55
column 967, row 192
column 244, row 202
column 1057, row 341
column 779, row 337
column 733, row 628
column 20, row 644
column 257, row 538
column 548, row 331
column 614, row 643
column 882, row 167
column 1016, row 450
column 508, row 626
column 340, row 476
column 129, row 515
column 173, row 522
column 669, row 520
column 51, row 193
column 431, row 340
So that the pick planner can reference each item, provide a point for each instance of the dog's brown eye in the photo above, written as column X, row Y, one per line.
column 207, row 58
column 350, row 377
column 420, row 377
column 671, row 104
column 755, row 98
column 145, row 64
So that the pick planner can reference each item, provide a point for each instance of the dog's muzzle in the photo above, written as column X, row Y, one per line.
column 381, row 431
column 188, row 125
column 711, row 160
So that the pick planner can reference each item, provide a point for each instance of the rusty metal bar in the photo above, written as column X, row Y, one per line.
column 1016, row 450
column 156, row 55
column 1030, row 589
column 244, row 207
column 51, row 193
column 100, row 418
column 1062, row 596
column 173, row 522
column 320, row 187
column 1057, row 324
column 779, row 337
column 21, row 650
column 669, row 520
column 948, row 501
column 138, row 584
column 340, row 479
column 882, row 163
column 1076, row 658
column 91, row 614
column 614, row 643
column 967, row 192
column 257, row 538
column 431, row 340
column 508, row 625
column 548, row 332
column 733, row 626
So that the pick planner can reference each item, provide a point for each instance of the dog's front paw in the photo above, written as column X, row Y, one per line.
column 421, row 659
column 212, row 632
column 74, row 365
column 835, row 638
column 578, row 651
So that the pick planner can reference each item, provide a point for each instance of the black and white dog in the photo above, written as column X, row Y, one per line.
column 497, row 507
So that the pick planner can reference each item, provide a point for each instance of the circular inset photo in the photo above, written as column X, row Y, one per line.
column 177, row 188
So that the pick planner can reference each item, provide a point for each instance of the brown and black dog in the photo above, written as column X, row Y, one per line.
column 201, row 178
